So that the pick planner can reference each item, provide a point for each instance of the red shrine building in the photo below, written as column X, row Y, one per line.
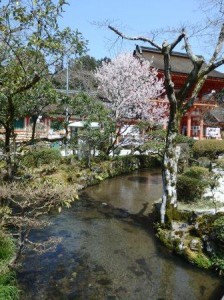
column 204, row 119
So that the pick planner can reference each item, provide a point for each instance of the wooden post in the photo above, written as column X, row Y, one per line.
column 189, row 125
column 201, row 129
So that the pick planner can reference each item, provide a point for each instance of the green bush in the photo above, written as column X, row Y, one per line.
column 204, row 162
column 41, row 157
column 183, row 139
column 220, row 163
column 208, row 148
column 190, row 189
column 197, row 172
column 218, row 229
column 192, row 183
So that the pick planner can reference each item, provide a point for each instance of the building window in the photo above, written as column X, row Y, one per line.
column 19, row 123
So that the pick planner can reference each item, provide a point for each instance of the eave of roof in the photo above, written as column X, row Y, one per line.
column 180, row 62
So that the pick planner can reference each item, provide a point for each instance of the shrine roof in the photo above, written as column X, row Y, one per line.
column 215, row 116
column 218, row 114
column 180, row 62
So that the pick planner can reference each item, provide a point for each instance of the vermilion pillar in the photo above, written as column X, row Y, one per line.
column 189, row 125
column 201, row 129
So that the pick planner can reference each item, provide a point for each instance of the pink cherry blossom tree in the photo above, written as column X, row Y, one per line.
column 131, row 88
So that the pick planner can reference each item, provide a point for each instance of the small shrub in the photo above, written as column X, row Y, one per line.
column 41, row 157
column 190, row 189
column 197, row 172
column 220, row 163
column 204, row 162
column 192, row 183
column 208, row 148
column 218, row 229
column 183, row 139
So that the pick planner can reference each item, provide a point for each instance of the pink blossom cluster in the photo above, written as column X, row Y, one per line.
column 131, row 87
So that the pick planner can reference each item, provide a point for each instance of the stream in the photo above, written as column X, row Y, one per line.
column 109, row 250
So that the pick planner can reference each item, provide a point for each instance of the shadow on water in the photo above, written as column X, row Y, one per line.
column 108, row 252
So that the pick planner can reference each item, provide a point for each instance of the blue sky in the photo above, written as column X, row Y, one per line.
column 131, row 16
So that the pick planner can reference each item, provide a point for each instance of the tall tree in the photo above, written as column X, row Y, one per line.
column 180, row 101
column 31, row 46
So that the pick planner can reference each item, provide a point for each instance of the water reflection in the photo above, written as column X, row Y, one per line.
column 129, row 192
column 108, row 253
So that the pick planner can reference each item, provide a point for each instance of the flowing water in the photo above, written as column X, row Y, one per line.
column 108, row 250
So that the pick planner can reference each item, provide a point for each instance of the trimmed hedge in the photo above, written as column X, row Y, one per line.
column 208, row 148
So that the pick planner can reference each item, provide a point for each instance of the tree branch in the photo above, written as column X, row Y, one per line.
column 194, row 58
column 26, row 87
column 137, row 38
column 177, row 41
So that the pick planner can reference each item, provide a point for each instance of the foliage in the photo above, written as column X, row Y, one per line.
column 8, row 288
column 220, row 163
column 89, row 139
column 57, row 125
column 204, row 162
column 192, row 183
column 197, row 172
column 218, row 228
column 41, row 157
column 182, row 139
column 30, row 201
column 154, row 142
column 181, row 99
column 31, row 46
column 127, row 85
column 9, row 292
column 7, row 247
column 218, row 261
column 35, row 101
column 80, row 71
column 198, row 258
column 209, row 148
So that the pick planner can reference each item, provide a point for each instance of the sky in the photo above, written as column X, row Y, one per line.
column 130, row 16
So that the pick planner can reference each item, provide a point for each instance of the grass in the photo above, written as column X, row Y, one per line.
column 8, row 286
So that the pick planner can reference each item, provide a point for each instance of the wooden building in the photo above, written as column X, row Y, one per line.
column 194, row 123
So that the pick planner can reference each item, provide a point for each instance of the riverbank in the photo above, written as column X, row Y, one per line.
column 197, row 235
column 106, row 252
column 56, row 182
